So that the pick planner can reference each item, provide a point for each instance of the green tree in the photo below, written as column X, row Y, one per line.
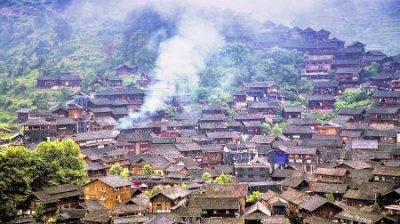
column 16, row 167
column 117, row 169
column 206, row 176
column 254, row 197
column 223, row 179
column 330, row 197
column 145, row 59
column 277, row 129
column 148, row 169
column 265, row 128
column 62, row 161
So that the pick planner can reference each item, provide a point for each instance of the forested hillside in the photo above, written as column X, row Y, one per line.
column 49, row 38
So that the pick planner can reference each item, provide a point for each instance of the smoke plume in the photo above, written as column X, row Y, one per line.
column 180, row 60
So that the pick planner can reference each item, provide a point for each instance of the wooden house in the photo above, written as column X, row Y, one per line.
column 322, row 189
column 317, row 67
column 381, row 81
column 258, row 90
column 320, row 102
column 168, row 199
column 327, row 129
column 213, row 109
column 124, row 69
column 387, row 98
column 249, row 117
column 387, row 174
column 224, row 137
column 135, row 143
column 211, row 155
column 355, row 114
column 65, row 80
column 256, row 212
column 23, row 114
column 110, row 191
column 252, row 127
column 358, row 216
column 239, row 98
column 37, row 129
column 331, row 175
column 326, row 88
column 383, row 136
column 317, row 206
column 292, row 112
column 95, row 139
column 132, row 95
column 373, row 56
column 367, row 193
column 383, row 115
column 238, row 153
column 257, row 169
column 348, row 77
column 305, row 159
column 298, row 132
column 52, row 199
column 158, row 163
column 65, row 127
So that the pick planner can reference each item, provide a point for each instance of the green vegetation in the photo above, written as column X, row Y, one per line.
column 148, row 169
column 206, row 176
column 152, row 192
column 223, row 179
column 117, row 169
column 254, row 197
column 50, row 164
column 353, row 99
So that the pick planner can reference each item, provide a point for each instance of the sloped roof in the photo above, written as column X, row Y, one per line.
column 115, row 181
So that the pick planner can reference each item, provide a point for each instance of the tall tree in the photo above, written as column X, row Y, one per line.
column 63, row 162
column 15, row 179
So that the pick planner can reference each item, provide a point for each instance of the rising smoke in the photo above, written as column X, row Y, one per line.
column 181, row 58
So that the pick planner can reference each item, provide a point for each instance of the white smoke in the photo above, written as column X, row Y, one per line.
column 180, row 60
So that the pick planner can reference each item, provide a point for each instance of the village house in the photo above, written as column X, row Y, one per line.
column 52, row 199
column 348, row 77
column 96, row 139
column 373, row 56
column 355, row 114
column 320, row 102
column 322, row 189
column 224, row 137
column 367, row 193
column 387, row 174
column 330, row 129
column 387, row 98
column 292, row 112
column 37, row 129
column 270, row 109
column 167, row 199
column 298, row 132
column 213, row 109
column 326, row 88
column 383, row 115
column 239, row 153
column 317, row 67
column 305, row 159
column 383, row 136
column 211, row 155
column 239, row 99
column 258, row 90
column 257, row 169
column 109, row 191
column 135, row 143
column 64, row 80
column 331, row 175
column 357, row 216
column 124, row 69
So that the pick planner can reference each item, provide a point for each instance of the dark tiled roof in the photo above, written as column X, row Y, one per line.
column 391, row 94
column 329, row 188
column 383, row 110
column 326, row 84
column 115, row 181
column 321, row 98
